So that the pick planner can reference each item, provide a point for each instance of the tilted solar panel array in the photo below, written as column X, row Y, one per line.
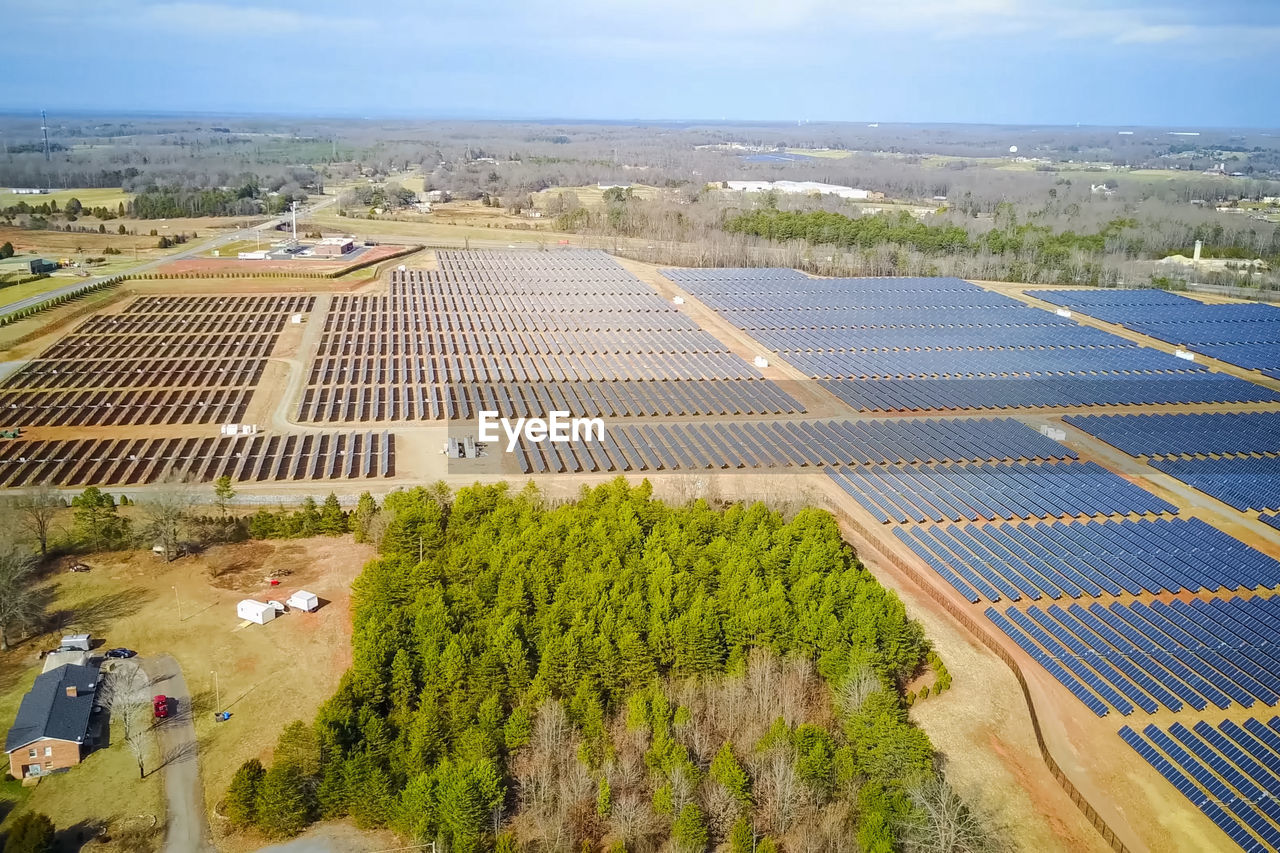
column 1244, row 482
column 1216, row 651
column 1091, row 558
column 916, row 395
column 701, row 446
column 257, row 458
column 923, row 344
column 1176, row 435
column 163, row 360
column 1247, row 335
column 1231, row 773
column 524, row 333
column 948, row 492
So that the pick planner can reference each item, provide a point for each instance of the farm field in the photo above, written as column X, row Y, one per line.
column 588, row 196
column 109, row 197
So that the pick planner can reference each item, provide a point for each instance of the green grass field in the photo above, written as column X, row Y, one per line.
column 105, row 197
column 17, row 292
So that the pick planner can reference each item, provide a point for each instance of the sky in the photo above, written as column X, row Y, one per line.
column 1124, row 62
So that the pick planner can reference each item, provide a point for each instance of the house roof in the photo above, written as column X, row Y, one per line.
column 48, row 712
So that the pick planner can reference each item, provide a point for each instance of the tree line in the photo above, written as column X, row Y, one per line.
column 612, row 673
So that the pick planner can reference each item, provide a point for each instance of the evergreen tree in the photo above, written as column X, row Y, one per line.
column 726, row 770
column 241, row 803
column 690, row 829
column 282, row 802
column 366, row 509
column 333, row 521
column 31, row 832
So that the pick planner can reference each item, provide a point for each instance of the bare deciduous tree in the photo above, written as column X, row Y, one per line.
column 38, row 509
column 168, row 509
column 945, row 823
column 19, row 603
column 125, row 693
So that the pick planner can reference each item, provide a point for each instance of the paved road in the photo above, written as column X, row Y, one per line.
column 187, row 830
column 207, row 245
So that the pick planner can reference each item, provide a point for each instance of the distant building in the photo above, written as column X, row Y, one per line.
column 40, row 265
column 52, row 726
column 800, row 187
column 28, row 191
column 259, row 255
column 436, row 196
column 333, row 247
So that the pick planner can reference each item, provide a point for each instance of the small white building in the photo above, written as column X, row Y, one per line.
column 303, row 600
column 79, row 642
column 761, row 361
column 255, row 611
column 260, row 255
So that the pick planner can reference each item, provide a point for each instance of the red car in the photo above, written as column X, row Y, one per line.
column 160, row 706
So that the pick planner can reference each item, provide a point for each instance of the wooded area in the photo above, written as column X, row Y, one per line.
column 612, row 673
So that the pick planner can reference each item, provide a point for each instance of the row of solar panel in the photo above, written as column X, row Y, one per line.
column 1076, row 559
column 1243, row 334
column 795, row 444
column 1215, row 651
column 915, row 395
column 1172, row 435
column 939, row 337
column 883, row 318
column 1231, row 773
column 999, row 490
column 93, row 407
column 209, row 372
column 995, row 363
column 411, row 401
column 524, row 343
column 256, row 458
column 572, row 367
column 1246, row 482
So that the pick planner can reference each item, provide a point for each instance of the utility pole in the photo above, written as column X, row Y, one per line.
column 217, row 694
column 178, row 598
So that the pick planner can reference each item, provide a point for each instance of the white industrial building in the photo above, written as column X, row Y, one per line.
column 800, row 187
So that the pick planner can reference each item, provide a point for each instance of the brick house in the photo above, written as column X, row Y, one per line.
column 51, row 729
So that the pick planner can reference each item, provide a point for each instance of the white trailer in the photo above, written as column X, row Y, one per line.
column 303, row 600
column 255, row 611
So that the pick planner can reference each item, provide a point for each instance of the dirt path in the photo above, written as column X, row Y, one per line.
column 186, row 831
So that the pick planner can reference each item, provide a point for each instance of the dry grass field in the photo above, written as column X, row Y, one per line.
column 266, row 675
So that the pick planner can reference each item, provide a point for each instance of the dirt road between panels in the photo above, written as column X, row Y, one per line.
column 187, row 830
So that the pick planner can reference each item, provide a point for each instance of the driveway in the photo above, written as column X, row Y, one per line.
column 187, row 830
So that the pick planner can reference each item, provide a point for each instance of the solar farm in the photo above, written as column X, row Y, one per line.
column 1103, row 512
column 1247, row 335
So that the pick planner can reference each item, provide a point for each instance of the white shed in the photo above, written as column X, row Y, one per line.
column 303, row 600
column 255, row 611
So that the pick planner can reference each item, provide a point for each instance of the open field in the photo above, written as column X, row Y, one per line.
column 14, row 292
column 108, row 197
column 591, row 196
